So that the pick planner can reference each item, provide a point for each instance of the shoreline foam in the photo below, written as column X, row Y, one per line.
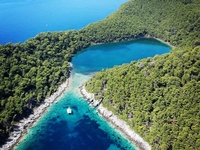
column 115, row 121
column 23, row 125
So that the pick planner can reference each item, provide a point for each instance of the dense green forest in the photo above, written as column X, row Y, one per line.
column 33, row 70
column 158, row 97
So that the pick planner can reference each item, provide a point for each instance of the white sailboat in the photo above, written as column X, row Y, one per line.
column 69, row 110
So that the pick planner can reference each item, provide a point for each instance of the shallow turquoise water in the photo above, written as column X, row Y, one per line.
column 85, row 129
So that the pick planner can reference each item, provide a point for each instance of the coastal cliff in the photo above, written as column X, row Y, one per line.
column 115, row 121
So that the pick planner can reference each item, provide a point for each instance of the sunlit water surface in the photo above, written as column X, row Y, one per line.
column 85, row 129
column 23, row 19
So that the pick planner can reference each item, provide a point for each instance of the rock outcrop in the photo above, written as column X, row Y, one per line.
column 115, row 121
column 89, row 97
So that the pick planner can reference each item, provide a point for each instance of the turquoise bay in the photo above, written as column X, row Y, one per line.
column 85, row 129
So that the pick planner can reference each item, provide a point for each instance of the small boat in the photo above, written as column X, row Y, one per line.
column 69, row 110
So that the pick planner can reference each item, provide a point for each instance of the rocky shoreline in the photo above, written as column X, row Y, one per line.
column 21, row 128
column 116, row 122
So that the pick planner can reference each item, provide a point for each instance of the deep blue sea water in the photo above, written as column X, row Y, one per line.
column 23, row 19
column 85, row 129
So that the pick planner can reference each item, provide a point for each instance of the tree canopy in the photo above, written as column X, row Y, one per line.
column 154, row 92
column 158, row 97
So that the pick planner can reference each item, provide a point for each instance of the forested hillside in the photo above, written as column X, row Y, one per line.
column 33, row 70
column 158, row 97
column 176, row 22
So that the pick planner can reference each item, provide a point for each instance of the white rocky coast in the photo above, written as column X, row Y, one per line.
column 116, row 122
column 24, row 124
column 89, row 97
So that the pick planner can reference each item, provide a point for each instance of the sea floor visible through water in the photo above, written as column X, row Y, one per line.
column 85, row 129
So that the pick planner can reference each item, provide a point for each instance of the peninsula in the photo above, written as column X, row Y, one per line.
column 157, row 97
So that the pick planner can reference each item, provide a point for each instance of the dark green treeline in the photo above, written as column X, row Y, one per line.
column 158, row 97
column 33, row 70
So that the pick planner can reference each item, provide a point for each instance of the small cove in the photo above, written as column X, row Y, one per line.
column 85, row 129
